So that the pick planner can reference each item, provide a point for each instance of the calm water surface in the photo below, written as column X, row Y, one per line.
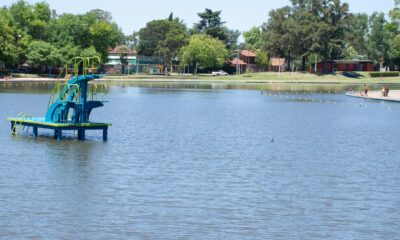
column 204, row 162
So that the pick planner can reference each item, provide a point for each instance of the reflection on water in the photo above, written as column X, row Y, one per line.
column 202, row 162
column 41, row 87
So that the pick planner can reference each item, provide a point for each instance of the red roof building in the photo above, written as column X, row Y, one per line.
column 278, row 62
column 346, row 66
column 248, row 53
column 248, row 56
column 237, row 61
column 114, row 59
column 117, row 50
column 247, row 61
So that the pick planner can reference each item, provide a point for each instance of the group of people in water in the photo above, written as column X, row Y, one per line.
column 385, row 91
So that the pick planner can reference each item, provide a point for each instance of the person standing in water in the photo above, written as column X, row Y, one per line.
column 365, row 90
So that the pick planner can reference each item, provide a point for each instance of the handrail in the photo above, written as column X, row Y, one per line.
column 104, row 88
column 97, row 88
column 89, row 64
column 56, row 90
column 18, row 122
column 72, row 87
column 81, row 66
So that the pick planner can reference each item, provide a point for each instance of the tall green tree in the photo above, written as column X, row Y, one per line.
column 275, row 34
column 379, row 39
column 253, row 38
column 67, row 53
column 169, row 48
column 68, row 29
column 103, row 36
column 8, row 47
column 231, row 41
column 103, row 33
column 99, row 15
column 89, row 52
column 262, row 59
column 22, row 14
column 94, row 28
column 203, row 50
column 30, row 30
column 330, row 30
column 38, row 26
column 357, row 36
column 151, row 35
column 393, row 31
column 307, row 27
column 163, row 38
column 123, row 57
column 211, row 24
column 301, row 27
column 131, row 40
column 42, row 54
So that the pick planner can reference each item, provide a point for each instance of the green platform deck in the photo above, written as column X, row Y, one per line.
column 37, row 123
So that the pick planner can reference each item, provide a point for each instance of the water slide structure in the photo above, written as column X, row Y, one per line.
column 71, row 103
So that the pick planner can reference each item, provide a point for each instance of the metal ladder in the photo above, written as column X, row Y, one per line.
column 18, row 123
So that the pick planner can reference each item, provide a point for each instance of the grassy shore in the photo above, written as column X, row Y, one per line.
column 270, row 77
column 298, row 77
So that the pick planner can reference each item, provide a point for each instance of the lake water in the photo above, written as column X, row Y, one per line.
column 206, row 162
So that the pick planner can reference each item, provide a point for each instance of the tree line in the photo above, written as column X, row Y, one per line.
column 326, row 30
column 302, row 32
column 38, row 35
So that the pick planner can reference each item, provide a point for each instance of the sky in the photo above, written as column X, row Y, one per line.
column 131, row 15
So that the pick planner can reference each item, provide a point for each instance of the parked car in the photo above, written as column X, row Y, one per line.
column 220, row 73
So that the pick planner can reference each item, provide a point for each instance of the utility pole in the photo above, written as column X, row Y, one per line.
column 315, row 67
column 18, row 37
column 279, row 68
column 137, row 64
column 237, row 61
column 238, row 67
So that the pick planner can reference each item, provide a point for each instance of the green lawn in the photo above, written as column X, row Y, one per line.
column 268, row 76
column 299, row 77
column 304, row 77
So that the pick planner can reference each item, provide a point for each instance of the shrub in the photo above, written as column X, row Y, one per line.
column 383, row 74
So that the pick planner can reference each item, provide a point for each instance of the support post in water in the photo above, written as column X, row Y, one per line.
column 105, row 130
column 35, row 131
column 81, row 135
column 59, row 134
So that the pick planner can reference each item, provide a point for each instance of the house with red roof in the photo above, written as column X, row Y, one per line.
column 278, row 64
column 246, row 61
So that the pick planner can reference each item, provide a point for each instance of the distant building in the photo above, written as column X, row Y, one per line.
column 136, row 63
column 151, row 65
column 246, row 61
column 278, row 64
column 238, row 62
column 249, row 58
column 346, row 66
column 114, row 59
